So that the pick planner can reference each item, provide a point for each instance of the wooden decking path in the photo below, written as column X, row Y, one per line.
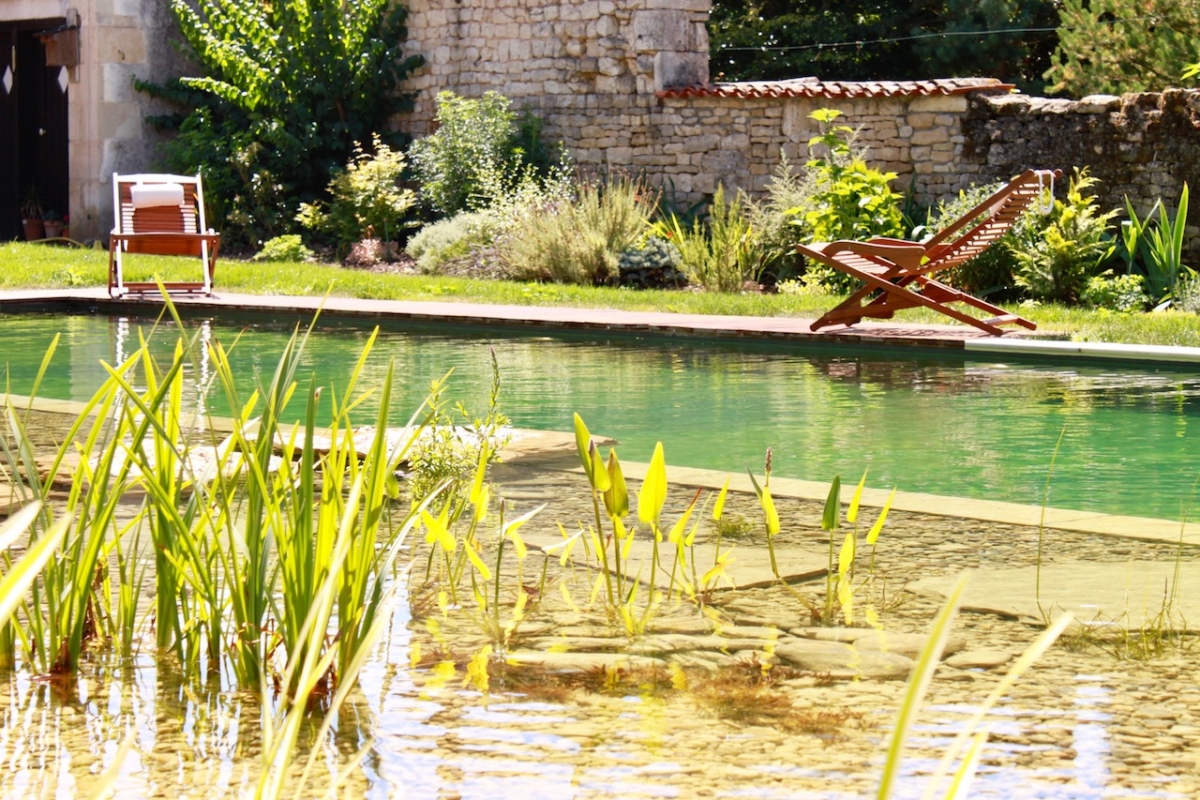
column 795, row 329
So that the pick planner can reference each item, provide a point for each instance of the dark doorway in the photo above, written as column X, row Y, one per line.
column 33, row 125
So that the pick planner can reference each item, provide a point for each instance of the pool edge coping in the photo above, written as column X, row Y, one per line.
column 929, row 336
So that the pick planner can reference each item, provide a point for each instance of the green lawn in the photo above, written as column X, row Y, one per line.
column 24, row 266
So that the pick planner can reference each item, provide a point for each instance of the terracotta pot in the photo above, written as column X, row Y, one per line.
column 34, row 229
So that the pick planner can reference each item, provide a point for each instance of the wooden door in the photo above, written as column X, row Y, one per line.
column 33, row 125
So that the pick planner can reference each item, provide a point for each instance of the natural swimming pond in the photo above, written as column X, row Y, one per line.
column 939, row 422
column 725, row 725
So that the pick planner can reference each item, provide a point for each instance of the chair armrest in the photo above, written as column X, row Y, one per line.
column 904, row 254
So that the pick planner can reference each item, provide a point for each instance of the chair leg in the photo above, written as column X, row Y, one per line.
column 845, row 312
column 936, row 290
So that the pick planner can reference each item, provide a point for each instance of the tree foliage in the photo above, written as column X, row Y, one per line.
column 874, row 39
column 482, row 149
column 288, row 88
column 1117, row 46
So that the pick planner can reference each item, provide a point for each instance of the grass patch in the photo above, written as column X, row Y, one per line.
column 25, row 266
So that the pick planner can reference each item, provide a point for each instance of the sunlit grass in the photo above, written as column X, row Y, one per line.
column 24, row 266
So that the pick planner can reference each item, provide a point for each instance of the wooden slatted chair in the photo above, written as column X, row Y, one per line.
column 160, row 215
column 895, row 273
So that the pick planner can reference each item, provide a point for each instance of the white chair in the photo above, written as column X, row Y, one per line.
column 160, row 215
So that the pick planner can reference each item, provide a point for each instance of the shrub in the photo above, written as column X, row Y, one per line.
column 288, row 247
column 1054, row 261
column 1187, row 294
column 990, row 272
column 480, row 151
column 651, row 264
column 288, row 87
column 576, row 240
column 720, row 253
column 367, row 199
column 447, row 240
column 1119, row 293
column 771, row 218
column 851, row 201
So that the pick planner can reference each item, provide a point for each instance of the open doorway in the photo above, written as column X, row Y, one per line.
column 33, row 126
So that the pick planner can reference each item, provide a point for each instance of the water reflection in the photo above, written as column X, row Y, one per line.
column 937, row 423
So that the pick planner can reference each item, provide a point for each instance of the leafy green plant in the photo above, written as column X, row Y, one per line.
column 723, row 254
column 19, row 576
column 448, row 455
column 368, row 201
column 477, row 153
column 1055, row 260
column 288, row 247
column 244, row 541
column 287, row 88
column 788, row 194
column 1116, row 293
column 1163, row 251
column 851, row 201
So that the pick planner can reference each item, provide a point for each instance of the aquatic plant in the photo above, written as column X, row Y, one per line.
column 243, row 539
column 974, row 733
column 839, row 574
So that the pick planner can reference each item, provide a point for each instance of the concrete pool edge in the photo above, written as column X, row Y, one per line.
column 1062, row 519
column 1100, row 351
column 1116, row 525
column 778, row 329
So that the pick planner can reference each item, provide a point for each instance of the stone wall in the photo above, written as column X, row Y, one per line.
column 624, row 83
column 1141, row 146
column 721, row 135
column 588, row 67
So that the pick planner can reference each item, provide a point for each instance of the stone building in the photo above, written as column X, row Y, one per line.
column 622, row 83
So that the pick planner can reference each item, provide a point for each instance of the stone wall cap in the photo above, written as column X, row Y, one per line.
column 814, row 87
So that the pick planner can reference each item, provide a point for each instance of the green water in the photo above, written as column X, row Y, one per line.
column 938, row 423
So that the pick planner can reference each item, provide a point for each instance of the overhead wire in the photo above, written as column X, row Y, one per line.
column 859, row 43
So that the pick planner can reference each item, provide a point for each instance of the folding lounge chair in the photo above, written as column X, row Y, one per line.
column 895, row 272
column 161, row 215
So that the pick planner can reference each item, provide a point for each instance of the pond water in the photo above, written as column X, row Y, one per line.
column 926, row 422
column 409, row 730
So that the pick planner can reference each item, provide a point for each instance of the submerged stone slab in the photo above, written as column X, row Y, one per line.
column 1121, row 593
column 581, row 662
column 908, row 645
column 748, row 568
column 979, row 659
column 839, row 658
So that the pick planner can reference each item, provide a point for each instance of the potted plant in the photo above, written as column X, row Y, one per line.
column 52, row 221
column 31, row 215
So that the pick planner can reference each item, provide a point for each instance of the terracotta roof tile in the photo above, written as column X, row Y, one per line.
column 813, row 87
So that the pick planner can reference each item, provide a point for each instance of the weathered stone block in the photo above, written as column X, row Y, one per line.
column 654, row 31
column 679, row 69
column 955, row 104
column 697, row 6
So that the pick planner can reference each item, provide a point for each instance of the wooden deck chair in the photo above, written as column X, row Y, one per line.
column 895, row 272
column 160, row 215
